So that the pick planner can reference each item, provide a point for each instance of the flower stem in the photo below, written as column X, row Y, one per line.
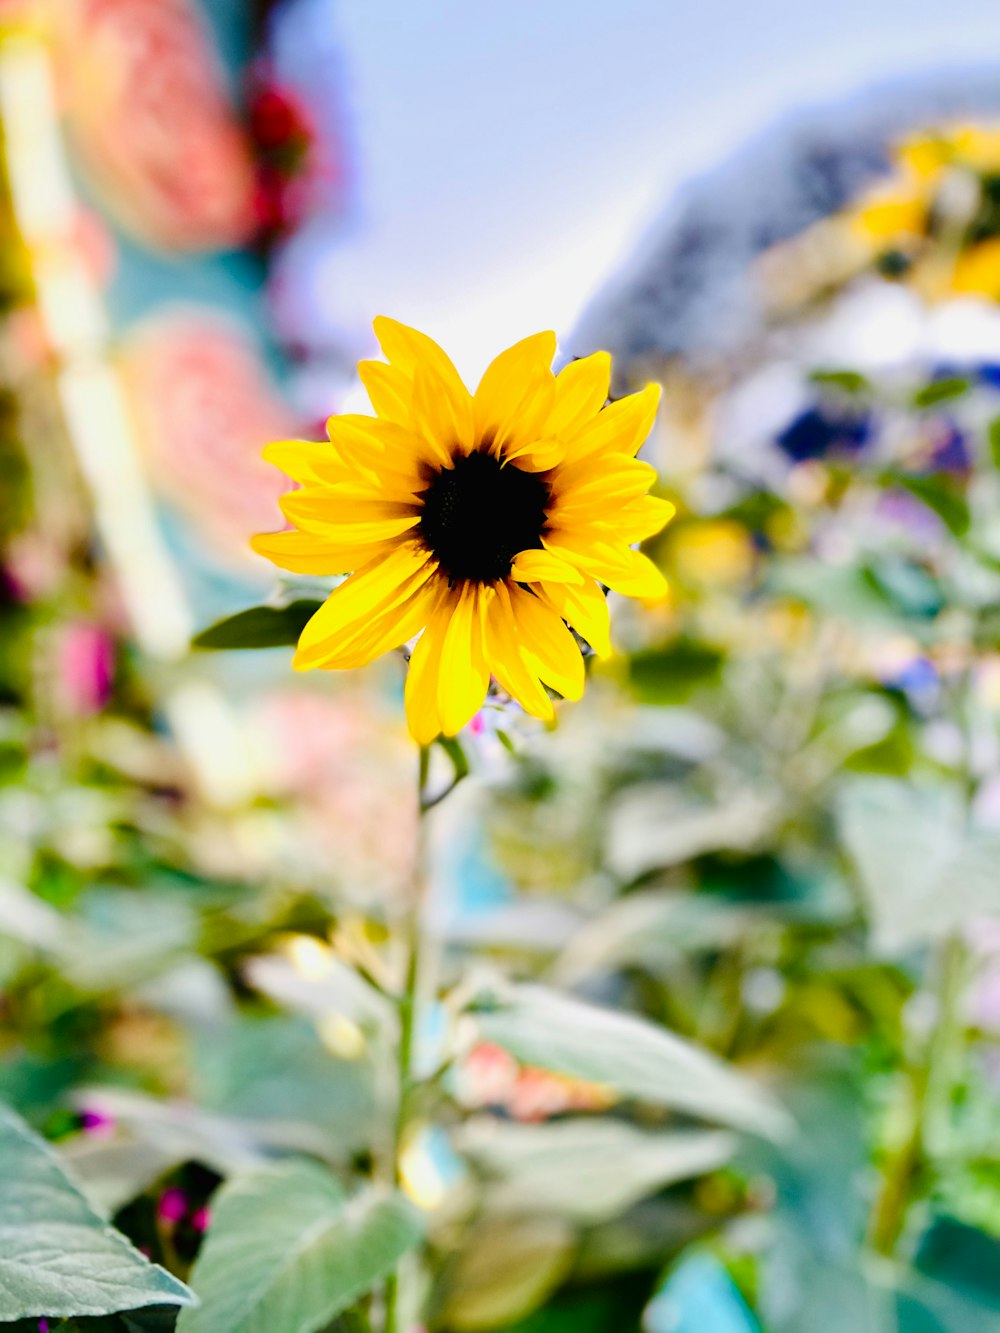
column 407, row 1006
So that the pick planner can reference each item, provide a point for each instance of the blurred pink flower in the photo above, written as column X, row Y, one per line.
column 173, row 1206
column 86, row 667
column 204, row 405
column 148, row 105
column 201, row 1218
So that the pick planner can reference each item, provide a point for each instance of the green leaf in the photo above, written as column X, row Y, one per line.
column 942, row 391
column 259, row 627
column 993, row 435
column 288, row 1251
column 673, row 673
column 923, row 872
column 455, row 752
column 627, row 1053
column 851, row 381
column 586, row 1170
column 939, row 494
column 506, row 1269
column 57, row 1256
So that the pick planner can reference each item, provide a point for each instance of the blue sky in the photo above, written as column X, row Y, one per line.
column 510, row 153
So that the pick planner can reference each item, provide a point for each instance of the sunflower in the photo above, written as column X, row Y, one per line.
column 487, row 521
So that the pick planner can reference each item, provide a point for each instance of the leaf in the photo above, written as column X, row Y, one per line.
column 670, row 675
column 259, row 627
column 276, row 1071
column 939, row 494
column 626, row 1053
column 26, row 917
column 506, row 1269
column 851, row 381
column 942, row 391
column 287, row 1251
column 923, row 873
column 587, row 1170
column 57, row 1256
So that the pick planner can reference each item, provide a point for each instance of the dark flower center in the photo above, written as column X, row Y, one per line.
column 478, row 515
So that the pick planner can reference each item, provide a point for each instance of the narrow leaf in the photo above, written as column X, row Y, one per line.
column 628, row 1054
column 259, row 627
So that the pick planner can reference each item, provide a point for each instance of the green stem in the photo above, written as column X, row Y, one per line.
column 407, row 1006
column 931, row 1079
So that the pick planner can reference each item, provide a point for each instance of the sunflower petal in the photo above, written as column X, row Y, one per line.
column 642, row 518
column 619, row 428
column 541, row 566
column 582, row 389
column 389, row 390
column 422, row 675
column 547, row 644
column 585, row 608
column 386, row 631
column 507, row 662
column 407, row 349
column 464, row 678
column 371, row 589
column 634, row 575
column 443, row 414
column 306, row 553
column 514, row 397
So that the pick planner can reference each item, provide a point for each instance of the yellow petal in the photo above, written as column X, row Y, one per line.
column 634, row 575
column 345, row 522
column 390, row 629
column 407, row 349
column 619, row 428
column 547, row 645
column 536, row 455
column 372, row 589
column 507, row 662
column 581, row 391
column 609, row 487
column 464, row 678
column 536, row 566
column 443, row 414
column 642, row 518
column 304, row 460
column 586, row 609
column 306, row 553
column 514, row 397
column 389, row 390
column 422, row 676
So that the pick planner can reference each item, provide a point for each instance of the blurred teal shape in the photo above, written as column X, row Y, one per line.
column 699, row 1295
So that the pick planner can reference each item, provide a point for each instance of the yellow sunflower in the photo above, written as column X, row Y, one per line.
column 487, row 521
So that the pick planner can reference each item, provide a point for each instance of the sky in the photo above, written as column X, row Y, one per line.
column 509, row 155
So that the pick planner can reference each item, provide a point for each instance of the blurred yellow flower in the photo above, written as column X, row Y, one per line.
column 717, row 551
column 486, row 520
column 977, row 269
column 943, row 190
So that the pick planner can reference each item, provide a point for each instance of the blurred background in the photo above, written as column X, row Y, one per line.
column 773, row 824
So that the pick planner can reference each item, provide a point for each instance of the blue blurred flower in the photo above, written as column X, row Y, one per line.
column 824, row 429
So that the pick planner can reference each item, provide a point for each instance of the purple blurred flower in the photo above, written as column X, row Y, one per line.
column 201, row 1218
column 96, row 1122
